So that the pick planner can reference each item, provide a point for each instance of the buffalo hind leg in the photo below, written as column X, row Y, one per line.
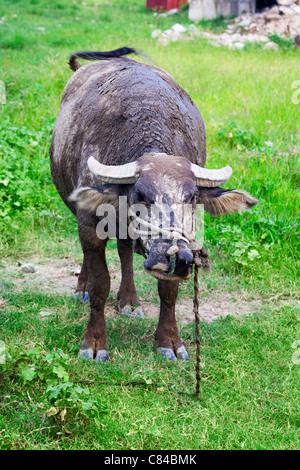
column 82, row 282
column 167, row 337
column 127, row 295
column 95, row 342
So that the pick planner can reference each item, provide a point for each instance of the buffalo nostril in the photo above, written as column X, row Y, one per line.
column 184, row 262
column 157, row 259
column 153, row 263
column 185, row 256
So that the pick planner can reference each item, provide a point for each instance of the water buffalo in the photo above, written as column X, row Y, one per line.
column 126, row 129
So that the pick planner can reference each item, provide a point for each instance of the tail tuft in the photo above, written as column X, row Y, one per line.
column 74, row 65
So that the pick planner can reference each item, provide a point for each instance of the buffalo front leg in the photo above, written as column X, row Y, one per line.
column 94, row 345
column 127, row 295
column 167, row 337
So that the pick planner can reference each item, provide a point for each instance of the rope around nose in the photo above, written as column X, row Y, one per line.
column 175, row 233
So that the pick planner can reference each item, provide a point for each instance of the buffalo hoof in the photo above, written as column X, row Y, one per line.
column 139, row 312
column 167, row 353
column 125, row 311
column 83, row 298
column 86, row 354
column 102, row 355
column 182, row 353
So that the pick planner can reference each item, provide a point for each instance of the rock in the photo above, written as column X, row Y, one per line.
column 164, row 37
column 174, row 11
column 178, row 28
column 273, row 17
column 164, row 41
column 284, row 10
column 238, row 45
column 285, row 2
column 273, row 11
column 156, row 33
column 167, row 33
column 295, row 26
column 271, row 46
column 28, row 268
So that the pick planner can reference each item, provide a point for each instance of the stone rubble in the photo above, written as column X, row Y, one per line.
column 282, row 19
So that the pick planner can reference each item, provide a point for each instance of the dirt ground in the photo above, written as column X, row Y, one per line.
column 58, row 276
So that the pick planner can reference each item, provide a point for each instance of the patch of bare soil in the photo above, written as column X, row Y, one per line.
column 53, row 275
column 57, row 275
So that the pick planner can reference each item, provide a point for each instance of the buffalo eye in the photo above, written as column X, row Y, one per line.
column 144, row 198
column 141, row 197
column 190, row 199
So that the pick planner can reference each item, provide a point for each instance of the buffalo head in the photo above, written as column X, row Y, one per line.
column 162, row 192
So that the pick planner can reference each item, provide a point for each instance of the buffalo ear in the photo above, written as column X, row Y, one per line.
column 218, row 201
column 91, row 198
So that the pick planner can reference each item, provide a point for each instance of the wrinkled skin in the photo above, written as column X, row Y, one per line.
column 158, row 188
column 119, row 111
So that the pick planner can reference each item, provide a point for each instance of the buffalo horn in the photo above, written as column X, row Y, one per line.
column 211, row 178
column 118, row 174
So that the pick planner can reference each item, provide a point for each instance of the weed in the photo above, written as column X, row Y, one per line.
column 283, row 43
column 233, row 136
column 61, row 399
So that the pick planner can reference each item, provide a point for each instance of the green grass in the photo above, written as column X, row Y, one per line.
column 248, row 393
column 138, row 401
